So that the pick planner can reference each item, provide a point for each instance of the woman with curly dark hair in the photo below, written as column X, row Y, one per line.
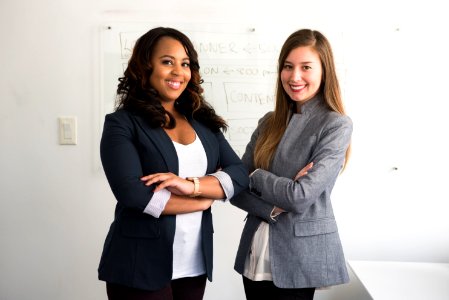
column 166, row 161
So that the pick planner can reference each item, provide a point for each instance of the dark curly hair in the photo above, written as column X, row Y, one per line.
column 134, row 92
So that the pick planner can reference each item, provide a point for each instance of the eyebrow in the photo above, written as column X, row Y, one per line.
column 303, row 62
column 172, row 57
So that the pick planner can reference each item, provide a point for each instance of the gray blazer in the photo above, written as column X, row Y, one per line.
column 305, row 248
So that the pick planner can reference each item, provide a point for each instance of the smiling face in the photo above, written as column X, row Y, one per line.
column 301, row 74
column 170, row 69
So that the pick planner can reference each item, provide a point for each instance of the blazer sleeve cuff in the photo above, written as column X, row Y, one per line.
column 157, row 203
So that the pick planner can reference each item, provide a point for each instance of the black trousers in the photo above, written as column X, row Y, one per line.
column 258, row 290
column 188, row 288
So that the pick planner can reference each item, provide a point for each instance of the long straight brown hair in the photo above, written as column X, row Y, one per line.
column 276, row 123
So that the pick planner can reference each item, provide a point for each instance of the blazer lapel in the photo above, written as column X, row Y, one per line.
column 162, row 142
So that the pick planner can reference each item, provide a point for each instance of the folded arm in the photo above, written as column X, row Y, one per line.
column 123, row 169
column 328, row 158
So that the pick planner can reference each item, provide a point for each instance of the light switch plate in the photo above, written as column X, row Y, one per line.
column 67, row 130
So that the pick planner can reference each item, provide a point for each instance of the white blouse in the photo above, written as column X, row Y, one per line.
column 257, row 263
column 188, row 256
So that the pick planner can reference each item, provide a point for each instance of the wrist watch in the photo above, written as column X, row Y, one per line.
column 196, row 186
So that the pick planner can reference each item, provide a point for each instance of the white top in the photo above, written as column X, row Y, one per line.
column 188, row 259
column 257, row 263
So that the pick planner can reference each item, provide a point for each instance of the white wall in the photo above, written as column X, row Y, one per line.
column 56, row 206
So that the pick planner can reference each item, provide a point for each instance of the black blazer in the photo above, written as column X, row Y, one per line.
column 138, row 248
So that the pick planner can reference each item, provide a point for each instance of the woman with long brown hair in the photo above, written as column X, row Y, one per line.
column 290, row 243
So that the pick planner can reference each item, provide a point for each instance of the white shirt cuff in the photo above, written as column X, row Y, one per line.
column 157, row 203
column 226, row 183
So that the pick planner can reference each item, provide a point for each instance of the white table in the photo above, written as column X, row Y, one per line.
column 403, row 280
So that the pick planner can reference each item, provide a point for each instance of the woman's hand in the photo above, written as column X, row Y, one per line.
column 304, row 171
column 171, row 182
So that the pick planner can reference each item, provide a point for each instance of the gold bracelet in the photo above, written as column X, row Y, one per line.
column 196, row 186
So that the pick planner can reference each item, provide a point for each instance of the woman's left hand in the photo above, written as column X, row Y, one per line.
column 171, row 182
column 304, row 171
